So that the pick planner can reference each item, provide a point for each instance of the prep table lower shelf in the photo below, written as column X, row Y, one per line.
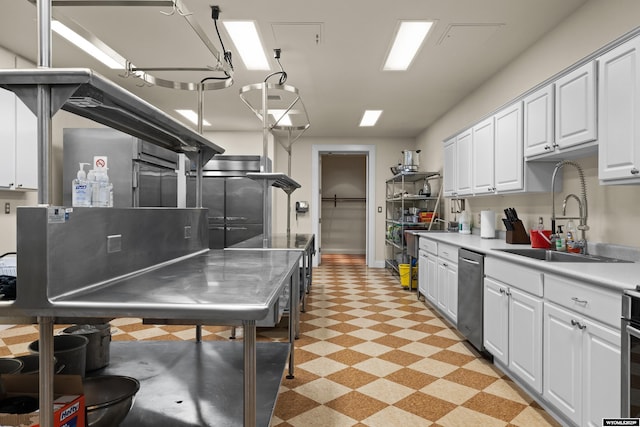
column 189, row 384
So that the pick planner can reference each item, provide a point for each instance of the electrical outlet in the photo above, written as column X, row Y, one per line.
column 7, row 208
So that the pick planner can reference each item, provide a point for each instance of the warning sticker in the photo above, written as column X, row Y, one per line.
column 57, row 215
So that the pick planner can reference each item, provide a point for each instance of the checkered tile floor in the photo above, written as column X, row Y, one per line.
column 369, row 354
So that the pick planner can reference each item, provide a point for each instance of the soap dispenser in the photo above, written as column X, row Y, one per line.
column 560, row 240
column 81, row 188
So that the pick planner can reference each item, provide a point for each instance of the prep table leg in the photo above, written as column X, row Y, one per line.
column 45, row 347
column 249, row 373
column 293, row 319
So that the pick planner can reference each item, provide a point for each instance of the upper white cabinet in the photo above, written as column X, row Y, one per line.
column 508, row 148
column 450, row 168
column 575, row 107
column 18, row 138
column 618, row 117
column 483, row 157
column 538, row 122
column 464, row 175
column 560, row 118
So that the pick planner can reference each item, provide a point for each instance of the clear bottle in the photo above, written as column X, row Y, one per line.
column 465, row 223
column 102, row 190
column 81, row 188
column 572, row 245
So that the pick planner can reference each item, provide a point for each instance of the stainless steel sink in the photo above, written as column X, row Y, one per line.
column 554, row 256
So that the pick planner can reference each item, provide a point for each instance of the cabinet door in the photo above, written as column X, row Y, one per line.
column 601, row 360
column 538, row 122
column 483, row 157
column 496, row 320
column 442, row 294
column 26, row 147
column 432, row 279
column 575, row 107
column 562, row 362
column 525, row 337
column 7, row 139
column 464, row 167
column 422, row 274
column 452, row 291
column 449, row 168
column 618, row 118
column 508, row 149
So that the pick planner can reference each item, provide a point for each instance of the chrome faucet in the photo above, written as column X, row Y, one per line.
column 582, row 204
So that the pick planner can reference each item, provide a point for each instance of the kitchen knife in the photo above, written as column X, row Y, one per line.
column 507, row 224
column 515, row 214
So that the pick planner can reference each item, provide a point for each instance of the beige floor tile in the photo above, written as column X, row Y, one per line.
column 392, row 416
column 371, row 348
column 433, row 367
column 449, row 391
column 322, row 417
column 387, row 391
column 377, row 367
column 366, row 334
column 423, row 350
column 322, row 348
column 508, row 390
column 362, row 322
column 463, row 417
column 322, row 366
column 323, row 333
column 322, row 390
column 534, row 417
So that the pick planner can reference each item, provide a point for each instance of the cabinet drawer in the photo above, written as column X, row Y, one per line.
column 598, row 303
column 515, row 275
column 428, row 245
column 448, row 252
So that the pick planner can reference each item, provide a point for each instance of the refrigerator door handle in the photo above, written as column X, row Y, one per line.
column 236, row 228
column 236, row 218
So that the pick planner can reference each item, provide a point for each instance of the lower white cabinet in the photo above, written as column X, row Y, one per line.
column 513, row 330
column 581, row 366
column 448, row 288
column 427, row 276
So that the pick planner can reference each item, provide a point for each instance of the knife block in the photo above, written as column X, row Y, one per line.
column 518, row 235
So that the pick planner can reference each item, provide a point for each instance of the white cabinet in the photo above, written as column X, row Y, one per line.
column 581, row 366
column 538, row 122
column 449, row 181
column 508, row 147
column 18, row 138
column 438, row 277
column 512, row 323
column 575, row 107
column 483, row 158
column 464, row 176
column 427, row 276
column 618, row 118
column 581, row 350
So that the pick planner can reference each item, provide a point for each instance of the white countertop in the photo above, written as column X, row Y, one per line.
column 618, row 276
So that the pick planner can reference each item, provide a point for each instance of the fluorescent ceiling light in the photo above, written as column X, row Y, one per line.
column 85, row 45
column 370, row 117
column 282, row 117
column 409, row 38
column 247, row 41
column 192, row 116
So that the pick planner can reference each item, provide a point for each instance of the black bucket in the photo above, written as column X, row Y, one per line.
column 99, row 337
column 70, row 350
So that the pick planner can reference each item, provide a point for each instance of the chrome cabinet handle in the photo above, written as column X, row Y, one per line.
column 547, row 148
column 634, row 171
column 578, row 324
column 502, row 291
column 508, row 293
column 579, row 301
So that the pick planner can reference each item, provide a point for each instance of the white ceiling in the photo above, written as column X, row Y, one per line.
column 338, row 76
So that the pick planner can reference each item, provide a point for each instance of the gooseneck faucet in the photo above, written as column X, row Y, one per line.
column 582, row 203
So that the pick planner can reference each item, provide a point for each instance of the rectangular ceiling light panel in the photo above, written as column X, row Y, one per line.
column 407, row 43
column 370, row 117
column 245, row 37
column 86, row 45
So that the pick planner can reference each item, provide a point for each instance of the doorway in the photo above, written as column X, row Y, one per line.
column 343, row 186
column 366, row 153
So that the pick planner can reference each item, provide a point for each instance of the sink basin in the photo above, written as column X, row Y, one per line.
column 554, row 256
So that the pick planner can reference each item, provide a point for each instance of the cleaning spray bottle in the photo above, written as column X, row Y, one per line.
column 81, row 188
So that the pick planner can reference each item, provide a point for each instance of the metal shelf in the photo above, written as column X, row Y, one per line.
column 83, row 92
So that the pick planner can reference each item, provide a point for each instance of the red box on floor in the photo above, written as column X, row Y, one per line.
column 68, row 400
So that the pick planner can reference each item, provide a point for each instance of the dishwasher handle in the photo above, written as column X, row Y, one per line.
column 470, row 261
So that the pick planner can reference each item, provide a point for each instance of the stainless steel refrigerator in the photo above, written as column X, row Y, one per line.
column 143, row 174
column 235, row 202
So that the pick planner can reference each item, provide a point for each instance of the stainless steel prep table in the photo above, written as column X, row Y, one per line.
column 215, row 286
column 291, row 242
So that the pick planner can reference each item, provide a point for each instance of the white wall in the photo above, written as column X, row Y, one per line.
column 612, row 209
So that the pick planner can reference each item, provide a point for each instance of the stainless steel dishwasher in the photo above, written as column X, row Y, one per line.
column 470, row 285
